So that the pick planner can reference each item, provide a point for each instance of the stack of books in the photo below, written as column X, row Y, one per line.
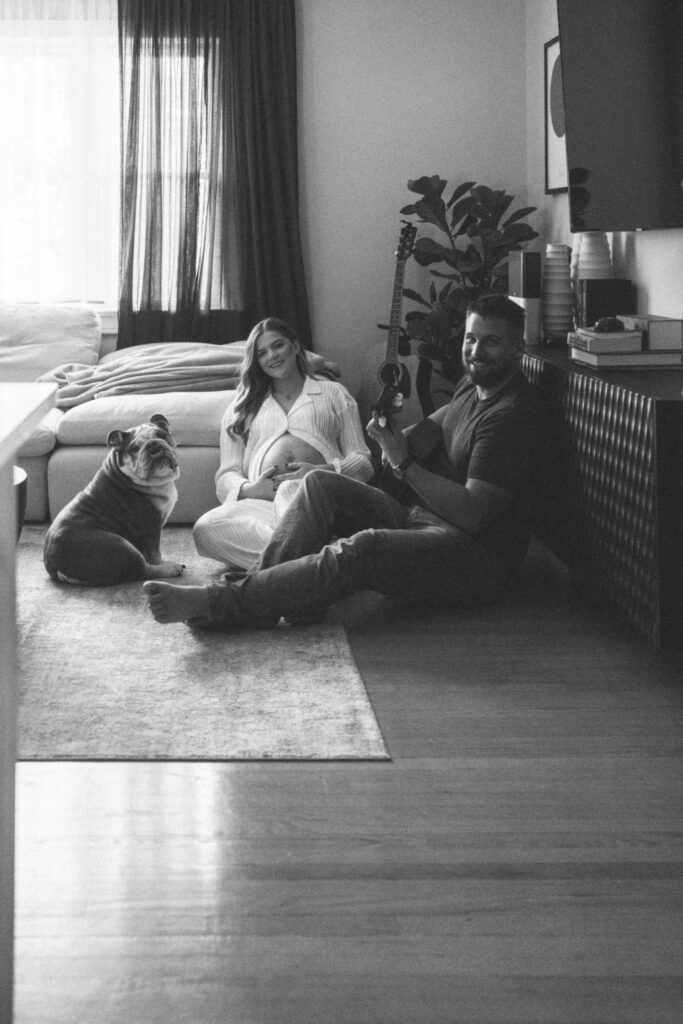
column 627, row 348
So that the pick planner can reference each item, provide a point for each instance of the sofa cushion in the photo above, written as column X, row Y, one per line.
column 36, row 491
column 194, row 416
column 35, row 339
column 44, row 437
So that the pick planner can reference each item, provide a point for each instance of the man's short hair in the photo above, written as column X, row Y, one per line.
column 501, row 307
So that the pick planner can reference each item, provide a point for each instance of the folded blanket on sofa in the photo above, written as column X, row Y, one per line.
column 205, row 368
column 157, row 369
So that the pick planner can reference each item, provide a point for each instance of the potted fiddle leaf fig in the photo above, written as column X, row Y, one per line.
column 475, row 235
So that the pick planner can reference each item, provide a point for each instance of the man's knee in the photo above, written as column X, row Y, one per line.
column 318, row 478
column 320, row 485
column 365, row 548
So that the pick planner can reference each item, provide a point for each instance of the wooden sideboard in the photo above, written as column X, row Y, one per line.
column 615, row 516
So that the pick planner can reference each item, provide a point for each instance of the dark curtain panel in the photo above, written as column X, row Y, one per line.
column 209, row 224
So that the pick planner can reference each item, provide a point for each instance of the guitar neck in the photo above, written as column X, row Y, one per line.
column 395, row 317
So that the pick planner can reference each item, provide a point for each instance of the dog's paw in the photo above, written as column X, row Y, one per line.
column 165, row 570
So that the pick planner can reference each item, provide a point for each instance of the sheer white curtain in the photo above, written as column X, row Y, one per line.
column 59, row 151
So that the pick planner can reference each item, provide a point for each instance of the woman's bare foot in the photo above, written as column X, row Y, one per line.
column 169, row 602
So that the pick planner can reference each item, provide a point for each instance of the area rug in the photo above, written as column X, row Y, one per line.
column 99, row 679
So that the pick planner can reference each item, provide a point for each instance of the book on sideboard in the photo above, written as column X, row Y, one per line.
column 659, row 332
column 605, row 341
column 625, row 360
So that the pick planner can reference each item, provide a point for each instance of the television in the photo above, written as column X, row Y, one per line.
column 622, row 74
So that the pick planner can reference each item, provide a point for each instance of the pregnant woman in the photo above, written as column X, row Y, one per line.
column 284, row 422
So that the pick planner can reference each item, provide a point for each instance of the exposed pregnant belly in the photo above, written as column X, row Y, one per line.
column 289, row 449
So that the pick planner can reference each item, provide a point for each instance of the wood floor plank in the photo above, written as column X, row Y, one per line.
column 519, row 860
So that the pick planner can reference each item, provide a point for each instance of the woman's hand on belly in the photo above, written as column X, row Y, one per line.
column 264, row 487
column 295, row 470
column 290, row 458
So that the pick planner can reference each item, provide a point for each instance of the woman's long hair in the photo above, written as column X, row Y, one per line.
column 255, row 383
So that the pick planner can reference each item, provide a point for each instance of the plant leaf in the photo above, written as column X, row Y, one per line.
column 459, row 211
column 428, row 251
column 503, row 205
column 459, row 192
column 518, row 214
column 478, row 245
column 483, row 194
column 443, row 294
column 517, row 233
column 450, row 277
column 432, row 210
column 425, row 186
column 413, row 296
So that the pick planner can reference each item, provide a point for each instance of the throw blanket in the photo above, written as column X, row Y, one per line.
column 156, row 369
column 153, row 370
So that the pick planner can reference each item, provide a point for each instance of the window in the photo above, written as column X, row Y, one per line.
column 174, row 182
column 59, row 139
column 200, row 97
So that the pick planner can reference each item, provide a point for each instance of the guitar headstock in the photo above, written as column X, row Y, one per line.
column 406, row 241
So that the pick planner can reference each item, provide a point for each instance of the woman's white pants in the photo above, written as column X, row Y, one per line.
column 237, row 532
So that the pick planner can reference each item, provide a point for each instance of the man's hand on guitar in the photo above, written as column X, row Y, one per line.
column 394, row 445
column 389, row 402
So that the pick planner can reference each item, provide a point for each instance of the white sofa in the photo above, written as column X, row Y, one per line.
column 65, row 342
column 69, row 445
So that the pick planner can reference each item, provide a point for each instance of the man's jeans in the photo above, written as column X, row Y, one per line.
column 382, row 545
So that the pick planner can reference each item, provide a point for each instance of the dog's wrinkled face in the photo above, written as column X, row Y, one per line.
column 146, row 453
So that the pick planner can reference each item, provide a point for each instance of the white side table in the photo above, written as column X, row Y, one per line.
column 22, row 407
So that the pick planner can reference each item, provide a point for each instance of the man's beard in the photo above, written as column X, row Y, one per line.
column 486, row 374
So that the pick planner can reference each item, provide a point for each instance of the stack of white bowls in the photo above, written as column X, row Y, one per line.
column 557, row 297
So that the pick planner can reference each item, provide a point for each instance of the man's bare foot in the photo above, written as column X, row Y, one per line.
column 164, row 570
column 169, row 602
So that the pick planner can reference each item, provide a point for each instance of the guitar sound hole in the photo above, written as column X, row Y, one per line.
column 390, row 373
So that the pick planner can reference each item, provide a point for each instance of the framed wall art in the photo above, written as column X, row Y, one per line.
column 555, row 137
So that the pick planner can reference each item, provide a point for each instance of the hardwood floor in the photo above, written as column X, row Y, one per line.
column 520, row 860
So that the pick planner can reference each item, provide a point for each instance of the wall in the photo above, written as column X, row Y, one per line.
column 388, row 92
column 652, row 259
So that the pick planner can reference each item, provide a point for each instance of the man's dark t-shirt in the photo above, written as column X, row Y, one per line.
column 498, row 440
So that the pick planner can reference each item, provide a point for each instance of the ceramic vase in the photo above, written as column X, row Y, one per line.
column 557, row 296
column 594, row 258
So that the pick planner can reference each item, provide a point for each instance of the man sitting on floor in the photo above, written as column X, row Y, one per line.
column 455, row 531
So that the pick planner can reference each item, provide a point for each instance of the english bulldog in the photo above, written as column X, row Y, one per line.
column 110, row 532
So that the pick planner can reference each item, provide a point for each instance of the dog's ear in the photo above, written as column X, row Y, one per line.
column 161, row 421
column 119, row 439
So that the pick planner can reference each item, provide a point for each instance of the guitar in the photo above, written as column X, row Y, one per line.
column 392, row 375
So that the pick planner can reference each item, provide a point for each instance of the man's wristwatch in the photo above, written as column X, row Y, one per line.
column 400, row 470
